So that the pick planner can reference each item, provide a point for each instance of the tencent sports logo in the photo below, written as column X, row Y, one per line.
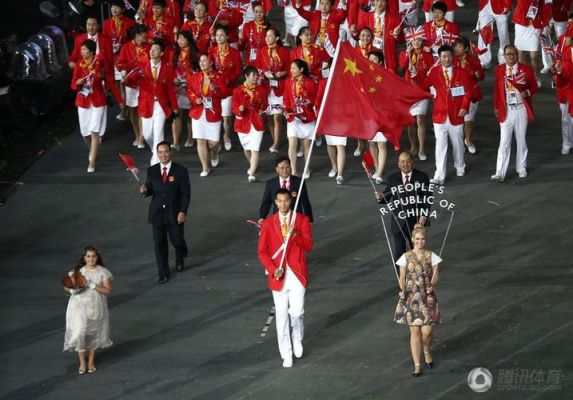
column 480, row 380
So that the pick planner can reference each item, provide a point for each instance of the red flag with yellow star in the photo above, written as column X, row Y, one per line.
column 362, row 98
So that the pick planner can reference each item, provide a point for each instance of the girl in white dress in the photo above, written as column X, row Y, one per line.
column 87, row 318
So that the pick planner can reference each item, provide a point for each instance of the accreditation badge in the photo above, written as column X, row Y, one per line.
column 378, row 43
column 512, row 99
column 299, row 110
column 86, row 90
column 531, row 12
column 458, row 91
column 208, row 103
column 253, row 55
column 274, row 83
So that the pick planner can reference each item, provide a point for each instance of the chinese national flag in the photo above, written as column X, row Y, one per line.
column 363, row 98
column 486, row 34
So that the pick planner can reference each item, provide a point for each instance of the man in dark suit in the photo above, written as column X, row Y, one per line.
column 402, row 185
column 168, row 184
column 284, row 180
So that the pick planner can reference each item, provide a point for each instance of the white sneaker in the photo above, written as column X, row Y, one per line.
column 471, row 147
column 228, row 145
column 297, row 348
column 460, row 172
column 332, row 173
column 422, row 156
column 497, row 178
column 287, row 362
column 307, row 174
column 187, row 144
column 215, row 162
column 141, row 145
column 204, row 174
column 299, row 153
column 91, row 168
column 339, row 180
column 135, row 143
column 565, row 150
column 523, row 174
column 252, row 178
column 318, row 141
column 357, row 153
column 545, row 70
column 273, row 150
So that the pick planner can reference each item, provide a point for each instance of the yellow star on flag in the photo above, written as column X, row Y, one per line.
column 351, row 66
column 378, row 79
column 371, row 66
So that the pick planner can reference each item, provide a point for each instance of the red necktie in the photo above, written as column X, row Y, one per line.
column 284, row 185
column 406, row 179
column 164, row 175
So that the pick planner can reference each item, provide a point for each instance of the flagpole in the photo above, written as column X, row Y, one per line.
column 307, row 162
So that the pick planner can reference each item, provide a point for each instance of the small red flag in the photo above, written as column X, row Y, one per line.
column 367, row 162
column 476, row 50
column 130, row 164
column 486, row 34
column 363, row 98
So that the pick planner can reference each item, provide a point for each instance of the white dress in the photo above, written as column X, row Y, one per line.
column 87, row 318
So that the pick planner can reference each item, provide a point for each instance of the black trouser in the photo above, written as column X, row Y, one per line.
column 177, row 239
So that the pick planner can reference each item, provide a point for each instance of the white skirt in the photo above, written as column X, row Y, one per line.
column 274, row 101
column 203, row 129
column 251, row 141
column 335, row 140
column 379, row 137
column 419, row 108
column 471, row 115
column 527, row 38
column 300, row 130
column 293, row 21
column 226, row 107
column 93, row 119
column 131, row 96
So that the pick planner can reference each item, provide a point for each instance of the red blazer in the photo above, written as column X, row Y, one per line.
column 118, row 36
column 95, row 74
column 423, row 62
column 352, row 7
column 428, row 5
column 162, row 29
column 316, row 56
column 252, row 38
column 162, row 89
column 519, row 15
column 305, row 100
column 497, row 6
column 130, row 57
column 472, row 66
column 445, row 105
column 271, row 239
column 335, row 18
column 390, row 49
column 525, row 80
column 228, row 66
column 253, row 108
column 264, row 63
column 233, row 17
column 104, row 49
column 564, row 82
column 200, row 33
column 172, row 9
column 195, row 91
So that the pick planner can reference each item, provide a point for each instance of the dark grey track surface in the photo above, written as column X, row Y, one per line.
column 504, row 286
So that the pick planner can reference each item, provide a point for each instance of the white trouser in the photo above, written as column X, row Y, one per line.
column 560, row 28
column 152, row 130
column 566, row 126
column 448, row 17
column 456, row 135
column 289, row 301
column 516, row 121
column 485, row 16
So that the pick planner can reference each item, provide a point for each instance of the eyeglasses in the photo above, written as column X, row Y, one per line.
column 510, row 54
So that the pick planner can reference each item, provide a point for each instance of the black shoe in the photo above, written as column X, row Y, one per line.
column 179, row 267
column 163, row 280
column 417, row 373
column 430, row 364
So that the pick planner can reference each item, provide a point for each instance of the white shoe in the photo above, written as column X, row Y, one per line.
column 287, row 362
column 176, row 147
column 120, row 117
column 460, row 172
column 497, row 178
column 307, row 174
column 252, row 178
column 339, row 180
column 436, row 181
column 215, row 162
column 379, row 180
column 471, row 147
column 299, row 153
column 318, row 141
column 297, row 348
column 228, row 144
column 357, row 153
column 141, row 145
column 332, row 173
column 91, row 168
column 565, row 150
column 187, row 144
column 539, row 83
column 204, row 174
column 135, row 143
column 523, row 174
column 422, row 156
column 460, row 3
column 273, row 150
column 545, row 70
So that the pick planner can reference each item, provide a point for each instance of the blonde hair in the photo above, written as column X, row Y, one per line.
column 419, row 228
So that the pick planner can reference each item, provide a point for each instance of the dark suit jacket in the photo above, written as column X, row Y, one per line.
column 395, row 180
column 271, row 188
column 169, row 199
